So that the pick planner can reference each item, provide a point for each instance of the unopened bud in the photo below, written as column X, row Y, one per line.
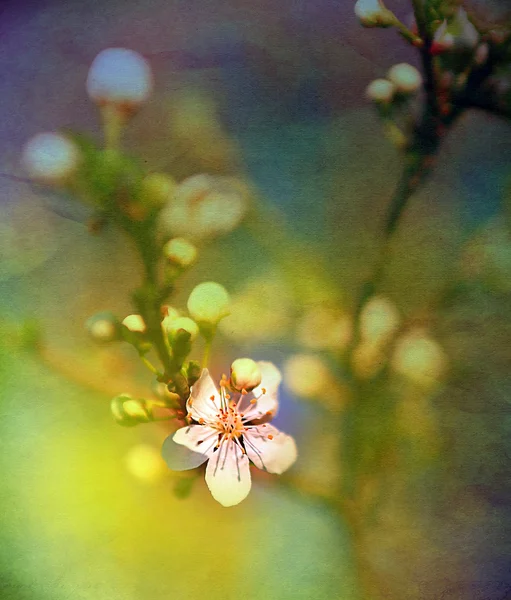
column 245, row 374
column 378, row 320
column 405, row 77
column 135, row 323
column 419, row 357
column 156, row 189
column 121, row 77
column 180, row 252
column 373, row 13
column 103, row 328
column 208, row 303
column 172, row 326
column 50, row 158
column 380, row 90
column 129, row 412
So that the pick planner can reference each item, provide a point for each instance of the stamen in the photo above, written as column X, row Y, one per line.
column 263, row 390
column 270, row 437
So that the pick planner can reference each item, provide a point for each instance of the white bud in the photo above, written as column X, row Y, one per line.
column 405, row 77
column 419, row 357
column 373, row 13
column 380, row 90
column 204, row 206
column 135, row 323
column 306, row 375
column 50, row 158
column 208, row 303
column 378, row 320
column 180, row 252
column 245, row 374
column 172, row 326
column 119, row 76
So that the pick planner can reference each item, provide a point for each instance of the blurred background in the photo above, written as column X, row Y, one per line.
column 276, row 92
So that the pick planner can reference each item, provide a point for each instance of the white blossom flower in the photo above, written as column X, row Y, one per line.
column 204, row 206
column 229, row 432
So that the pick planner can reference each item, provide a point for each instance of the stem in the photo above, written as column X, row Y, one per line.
column 113, row 122
column 207, row 352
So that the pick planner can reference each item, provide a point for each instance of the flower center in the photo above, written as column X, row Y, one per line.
column 229, row 422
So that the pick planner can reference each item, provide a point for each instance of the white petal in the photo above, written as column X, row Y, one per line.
column 228, row 474
column 270, row 449
column 179, row 457
column 200, row 404
column 198, row 438
column 270, row 381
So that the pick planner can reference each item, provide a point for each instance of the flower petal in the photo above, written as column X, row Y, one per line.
column 200, row 404
column 179, row 457
column 270, row 449
column 266, row 393
column 198, row 438
column 228, row 474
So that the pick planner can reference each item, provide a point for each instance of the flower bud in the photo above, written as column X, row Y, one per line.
column 157, row 189
column 129, row 412
column 120, row 77
column 405, row 77
column 378, row 320
column 135, row 323
column 103, row 328
column 373, row 13
column 172, row 326
column 419, row 357
column 381, row 90
column 245, row 374
column 50, row 158
column 208, row 303
column 180, row 252
column 306, row 375
column 443, row 40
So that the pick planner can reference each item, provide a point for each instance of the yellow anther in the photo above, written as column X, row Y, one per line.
column 270, row 437
column 263, row 390
column 201, row 421
column 253, row 401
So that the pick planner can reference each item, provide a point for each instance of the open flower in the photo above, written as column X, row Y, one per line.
column 229, row 431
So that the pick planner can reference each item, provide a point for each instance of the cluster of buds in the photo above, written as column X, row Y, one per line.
column 402, row 80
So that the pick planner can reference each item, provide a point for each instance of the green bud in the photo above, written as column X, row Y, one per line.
column 208, row 303
column 129, row 412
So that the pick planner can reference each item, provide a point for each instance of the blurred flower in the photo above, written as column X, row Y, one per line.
column 443, row 39
column 456, row 33
column 380, row 90
column 373, row 13
column 120, row 77
column 135, row 323
column 180, row 252
column 367, row 359
column 419, row 357
column 307, row 376
column 228, row 433
column 204, row 206
column 208, row 303
column 260, row 311
column 405, row 77
column 50, row 158
column 172, row 326
column 322, row 328
column 245, row 374
column 145, row 463
column 379, row 319
column 128, row 411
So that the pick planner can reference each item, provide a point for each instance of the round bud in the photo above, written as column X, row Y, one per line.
column 378, row 320
column 245, row 374
column 172, row 326
column 180, row 252
column 50, row 158
column 419, row 357
column 103, row 328
column 156, row 189
column 135, row 323
column 121, row 77
column 373, row 13
column 380, row 90
column 208, row 303
column 405, row 77
column 306, row 375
